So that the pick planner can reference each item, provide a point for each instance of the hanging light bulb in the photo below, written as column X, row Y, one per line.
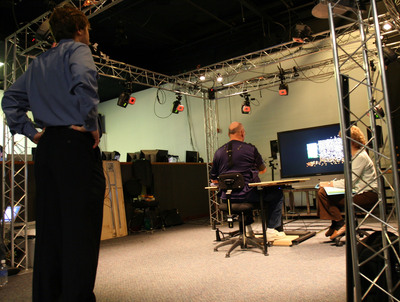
column 219, row 78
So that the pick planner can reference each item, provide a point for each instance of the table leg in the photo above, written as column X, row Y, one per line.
column 263, row 221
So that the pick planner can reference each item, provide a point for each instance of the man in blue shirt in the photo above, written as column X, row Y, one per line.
column 238, row 156
column 60, row 88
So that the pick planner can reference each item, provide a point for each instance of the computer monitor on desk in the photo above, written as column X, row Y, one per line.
column 131, row 156
column 192, row 156
column 107, row 155
column 155, row 155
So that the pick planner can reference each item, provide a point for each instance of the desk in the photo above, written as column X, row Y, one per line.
column 272, row 183
column 307, row 191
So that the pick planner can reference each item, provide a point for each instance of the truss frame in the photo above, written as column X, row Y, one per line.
column 369, row 32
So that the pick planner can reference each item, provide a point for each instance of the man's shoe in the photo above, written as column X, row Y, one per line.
column 337, row 233
column 329, row 232
column 275, row 235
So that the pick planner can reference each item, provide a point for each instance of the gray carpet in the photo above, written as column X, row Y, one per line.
column 179, row 264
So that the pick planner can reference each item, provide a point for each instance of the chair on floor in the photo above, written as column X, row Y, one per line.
column 236, row 212
column 138, row 196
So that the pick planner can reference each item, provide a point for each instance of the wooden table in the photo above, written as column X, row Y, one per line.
column 306, row 190
column 273, row 183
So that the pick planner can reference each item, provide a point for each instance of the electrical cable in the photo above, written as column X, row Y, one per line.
column 161, row 102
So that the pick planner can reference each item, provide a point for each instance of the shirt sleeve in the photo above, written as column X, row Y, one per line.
column 15, row 105
column 84, row 85
column 260, row 164
column 357, row 167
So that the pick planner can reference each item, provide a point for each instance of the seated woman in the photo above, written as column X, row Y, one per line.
column 364, row 183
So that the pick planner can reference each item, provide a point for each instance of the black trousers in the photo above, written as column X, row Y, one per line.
column 70, row 187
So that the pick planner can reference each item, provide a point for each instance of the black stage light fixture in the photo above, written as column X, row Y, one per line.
column 379, row 113
column 246, row 109
column 178, row 107
column 211, row 94
column 123, row 99
column 283, row 89
column 302, row 33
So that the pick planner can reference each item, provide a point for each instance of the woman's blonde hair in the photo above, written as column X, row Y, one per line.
column 358, row 136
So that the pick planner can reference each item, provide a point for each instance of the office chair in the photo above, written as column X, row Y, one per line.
column 235, row 211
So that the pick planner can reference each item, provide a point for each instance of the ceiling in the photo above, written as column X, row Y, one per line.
column 175, row 36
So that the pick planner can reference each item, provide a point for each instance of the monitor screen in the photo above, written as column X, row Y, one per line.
column 108, row 155
column 8, row 214
column 192, row 156
column 155, row 155
column 131, row 156
column 311, row 151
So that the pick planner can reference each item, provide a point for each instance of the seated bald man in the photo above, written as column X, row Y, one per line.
column 246, row 159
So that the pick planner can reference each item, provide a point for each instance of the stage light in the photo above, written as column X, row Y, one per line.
column 379, row 113
column 219, row 78
column 178, row 107
column 387, row 26
column 123, row 99
column 90, row 2
column 211, row 94
column 302, row 33
column 321, row 9
column 283, row 89
column 246, row 109
column 202, row 77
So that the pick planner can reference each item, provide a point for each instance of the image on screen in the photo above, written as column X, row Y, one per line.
column 8, row 214
column 311, row 151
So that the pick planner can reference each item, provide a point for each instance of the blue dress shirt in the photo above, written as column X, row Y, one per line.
column 59, row 87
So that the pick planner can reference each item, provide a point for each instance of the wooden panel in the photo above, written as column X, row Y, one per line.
column 114, row 218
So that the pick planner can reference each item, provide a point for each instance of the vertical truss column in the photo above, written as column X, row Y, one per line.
column 359, row 285
column 15, row 167
column 211, row 138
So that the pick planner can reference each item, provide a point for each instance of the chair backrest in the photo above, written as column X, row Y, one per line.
column 231, row 181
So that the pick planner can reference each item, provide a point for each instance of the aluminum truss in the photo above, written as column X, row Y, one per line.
column 19, row 48
column 211, row 140
column 361, row 285
column 251, row 72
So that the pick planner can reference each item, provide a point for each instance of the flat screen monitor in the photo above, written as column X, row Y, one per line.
column 108, row 155
column 192, row 156
column 130, row 157
column 155, row 155
column 311, row 151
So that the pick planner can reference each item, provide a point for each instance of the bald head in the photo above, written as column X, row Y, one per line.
column 236, row 131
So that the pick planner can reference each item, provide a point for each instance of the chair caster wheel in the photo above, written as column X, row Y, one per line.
column 215, row 250
column 227, row 256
